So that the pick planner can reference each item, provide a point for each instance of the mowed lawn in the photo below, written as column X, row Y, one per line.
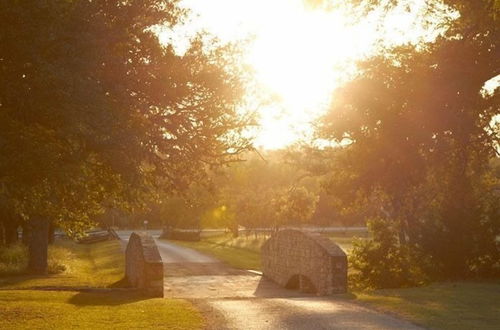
column 27, row 309
column 86, row 295
column 458, row 305
column 243, row 252
column 85, row 265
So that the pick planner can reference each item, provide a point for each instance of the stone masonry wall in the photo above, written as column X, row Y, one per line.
column 143, row 264
column 308, row 258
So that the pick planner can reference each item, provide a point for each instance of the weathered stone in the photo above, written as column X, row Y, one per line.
column 308, row 261
column 143, row 264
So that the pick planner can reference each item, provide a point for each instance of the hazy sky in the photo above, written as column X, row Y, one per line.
column 301, row 54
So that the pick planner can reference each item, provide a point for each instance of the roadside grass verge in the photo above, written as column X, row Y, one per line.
column 78, row 265
column 243, row 252
column 63, row 305
column 237, row 257
column 454, row 305
column 27, row 309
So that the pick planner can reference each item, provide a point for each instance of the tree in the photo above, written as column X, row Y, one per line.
column 418, row 143
column 294, row 206
column 102, row 112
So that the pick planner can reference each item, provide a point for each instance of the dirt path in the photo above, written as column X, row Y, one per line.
column 238, row 299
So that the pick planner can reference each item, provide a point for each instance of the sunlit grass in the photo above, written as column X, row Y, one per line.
column 236, row 257
column 442, row 305
column 80, row 265
column 92, row 265
column 27, row 309
column 243, row 252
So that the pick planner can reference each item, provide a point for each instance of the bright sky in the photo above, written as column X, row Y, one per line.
column 301, row 54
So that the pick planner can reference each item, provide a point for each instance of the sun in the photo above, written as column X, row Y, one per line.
column 301, row 54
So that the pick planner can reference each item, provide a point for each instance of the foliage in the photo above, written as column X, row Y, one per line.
column 14, row 260
column 71, row 265
column 104, row 114
column 417, row 143
column 381, row 263
column 295, row 206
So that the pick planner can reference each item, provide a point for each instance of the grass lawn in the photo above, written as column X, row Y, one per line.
column 27, row 309
column 86, row 265
column 458, row 305
column 243, row 252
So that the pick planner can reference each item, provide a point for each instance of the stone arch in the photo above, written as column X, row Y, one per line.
column 308, row 261
column 302, row 283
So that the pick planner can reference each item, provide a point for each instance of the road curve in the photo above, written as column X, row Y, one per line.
column 173, row 253
column 235, row 299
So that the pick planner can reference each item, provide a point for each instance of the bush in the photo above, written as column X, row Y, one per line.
column 13, row 259
column 382, row 263
column 56, row 255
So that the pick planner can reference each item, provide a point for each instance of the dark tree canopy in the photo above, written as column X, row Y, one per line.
column 419, row 140
column 95, row 111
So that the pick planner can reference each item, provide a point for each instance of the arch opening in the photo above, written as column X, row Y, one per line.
column 302, row 283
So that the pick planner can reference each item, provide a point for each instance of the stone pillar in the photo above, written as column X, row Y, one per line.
column 143, row 264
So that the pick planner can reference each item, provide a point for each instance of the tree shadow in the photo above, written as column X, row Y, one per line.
column 15, row 281
column 108, row 297
column 266, row 288
column 122, row 283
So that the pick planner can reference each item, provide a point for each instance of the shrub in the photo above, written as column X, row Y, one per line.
column 13, row 259
column 382, row 263
column 57, row 256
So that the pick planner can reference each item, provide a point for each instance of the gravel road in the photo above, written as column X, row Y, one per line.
column 237, row 299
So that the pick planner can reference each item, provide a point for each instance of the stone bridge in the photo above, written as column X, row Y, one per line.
column 143, row 264
column 307, row 261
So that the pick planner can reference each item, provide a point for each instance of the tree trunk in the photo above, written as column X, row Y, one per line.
column 51, row 235
column 10, row 228
column 2, row 234
column 38, row 246
column 26, row 236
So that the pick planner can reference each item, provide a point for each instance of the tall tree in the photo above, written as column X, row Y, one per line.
column 94, row 109
column 418, row 136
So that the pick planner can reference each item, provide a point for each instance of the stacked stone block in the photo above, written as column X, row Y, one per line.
column 143, row 264
column 306, row 258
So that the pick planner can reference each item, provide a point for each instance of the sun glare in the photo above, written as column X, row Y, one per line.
column 301, row 54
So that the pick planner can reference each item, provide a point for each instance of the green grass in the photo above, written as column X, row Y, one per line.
column 13, row 260
column 236, row 256
column 84, row 265
column 243, row 252
column 457, row 305
column 27, row 309
column 437, row 306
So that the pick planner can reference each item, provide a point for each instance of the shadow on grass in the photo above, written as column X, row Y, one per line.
column 18, row 280
column 110, row 298
column 123, row 283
